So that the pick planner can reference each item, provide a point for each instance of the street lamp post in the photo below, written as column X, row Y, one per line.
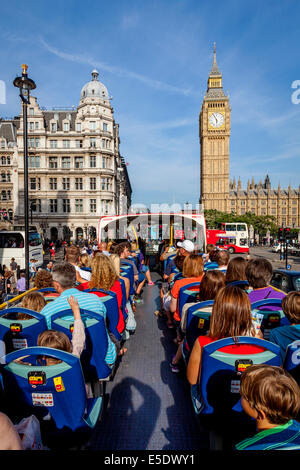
column 25, row 84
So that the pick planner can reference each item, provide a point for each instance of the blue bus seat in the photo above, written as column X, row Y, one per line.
column 197, row 324
column 124, row 300
column 291, row 361
column 110, row 301
column 272, row 317
column 127, row 268
column 221, row 372
column 96, row 344
column 19, row 334
column 58, row 390
column 188, row 294
column 242, row 284
column 209, row 266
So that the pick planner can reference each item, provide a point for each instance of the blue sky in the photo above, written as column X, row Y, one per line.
column 154, row 56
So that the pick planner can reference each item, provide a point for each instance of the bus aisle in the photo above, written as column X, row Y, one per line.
column 149, row 407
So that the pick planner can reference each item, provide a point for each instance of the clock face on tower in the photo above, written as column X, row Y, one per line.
column 216, row 119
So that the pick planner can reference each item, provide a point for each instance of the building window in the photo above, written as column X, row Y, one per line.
column 273, row 211
column 93, row 161
column 3, row 177
column 105, row 206
column 3, row 195
column 31, row 111
column 34, row 161
column 31, row 126
column 78, row 184
column 3, row 160
column 52, row 162
column 35, row 183
column 92, row 142
column 105, row 126
column 8, row 177
column 92, row 183
column 93, row 206
column 53, row 127
column 36, row 125
column 66, row 184
column 105, row 184
column 66, row 144
column 66, row 205
column 52, row 184
column 53, row 144
column 66, row 126
column 53, row 205
column 35, row 205
column 78, row 205
column 78, row 126
column 66, row 162
column 283, row 211
column 78, row 144
column 78, row 162
column 92, row 125
column 37, row 142
column 294, row 211
column 31, row 142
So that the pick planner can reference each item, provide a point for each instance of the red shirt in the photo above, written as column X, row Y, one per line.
column 116, row 287
column 177, row 286
column 234, row 348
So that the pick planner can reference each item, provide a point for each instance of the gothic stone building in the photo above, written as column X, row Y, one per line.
column 217, row 191
column 76, row 172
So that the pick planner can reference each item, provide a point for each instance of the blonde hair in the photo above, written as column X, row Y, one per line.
column 33, row 301
column 192, row 266
column 103, row 273
column 115, row 260
column 84, row 260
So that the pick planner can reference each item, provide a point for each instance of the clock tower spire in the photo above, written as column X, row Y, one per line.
column 214, row 133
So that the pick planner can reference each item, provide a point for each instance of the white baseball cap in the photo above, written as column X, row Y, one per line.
column 187, row 245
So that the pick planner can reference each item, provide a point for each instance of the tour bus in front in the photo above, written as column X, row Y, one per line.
column 232, row 243
column 12, row 245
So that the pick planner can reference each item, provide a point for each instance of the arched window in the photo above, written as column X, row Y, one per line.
column 3, row 160
column 8, row 160
column 8, row 179
column 3, row 177
column 3, row 195
column 8, row 195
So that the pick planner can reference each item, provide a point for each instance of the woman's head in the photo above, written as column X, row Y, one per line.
column 85, row 260
column 236, row 269
column 178, row 261
column 56, row 340
column 33, row 301
column 103, row 272
column 231, row 313
column 192, row 266
column 211, row 283
column 43, row 279
column 115, row 260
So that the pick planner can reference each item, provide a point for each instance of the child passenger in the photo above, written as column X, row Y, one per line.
column 272, row 397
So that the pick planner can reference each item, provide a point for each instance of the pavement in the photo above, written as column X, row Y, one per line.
column 274, row 258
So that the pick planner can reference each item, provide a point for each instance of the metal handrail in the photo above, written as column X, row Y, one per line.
column 14, row 299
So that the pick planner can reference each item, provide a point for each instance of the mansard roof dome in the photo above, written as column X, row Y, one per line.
column 94, row 88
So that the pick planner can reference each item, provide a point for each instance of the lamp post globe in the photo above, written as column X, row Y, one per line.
column 25, row 85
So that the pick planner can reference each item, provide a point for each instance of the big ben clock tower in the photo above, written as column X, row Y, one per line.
column 214, row 132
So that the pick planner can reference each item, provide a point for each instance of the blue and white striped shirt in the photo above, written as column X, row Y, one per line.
column 85, row 301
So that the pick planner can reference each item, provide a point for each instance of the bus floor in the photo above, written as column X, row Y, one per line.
column 149, row 406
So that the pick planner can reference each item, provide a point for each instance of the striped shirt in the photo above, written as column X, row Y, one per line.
column 86, row 301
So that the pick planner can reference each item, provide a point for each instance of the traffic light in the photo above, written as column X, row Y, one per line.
column 287, row 232
column 281, row 234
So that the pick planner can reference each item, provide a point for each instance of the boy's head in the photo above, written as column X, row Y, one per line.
column 291, row 307
column 259, row 273
column 222, row 258
column 269, row 392
column 56, row 340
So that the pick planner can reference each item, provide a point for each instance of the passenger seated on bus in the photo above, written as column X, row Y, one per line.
column 72, row 256
column 210, row 285
column 103, row 248
column 123, row 250
column 165, row 292
column 111, row 246
column 185, row 248
column 142, row 268
column 33, row 301
column 222, row 259
column 43, row 279
column 59, row 340
column 211, row 263
column 231, row 317
column 193, row 272
column 287, row 334
column 84, row 261
column 272, row 397
column 209, row 248
column 236, row 270
column 105, row 277
column 259, row 273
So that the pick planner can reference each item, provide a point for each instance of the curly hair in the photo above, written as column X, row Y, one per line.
column 103, row 273
column 43, row 279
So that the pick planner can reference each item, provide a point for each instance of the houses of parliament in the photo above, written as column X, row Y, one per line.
column 217, row 190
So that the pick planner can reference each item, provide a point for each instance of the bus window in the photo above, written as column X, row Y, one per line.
column 34, row 239
column 243, row 241
column 241, row 227
column 11, row 240
column 220, row 242
column 230, row 227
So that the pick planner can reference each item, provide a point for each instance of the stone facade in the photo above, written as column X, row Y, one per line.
column 76, row 172
column 217, row 191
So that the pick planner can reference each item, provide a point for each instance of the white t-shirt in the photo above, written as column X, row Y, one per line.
column 86, row 275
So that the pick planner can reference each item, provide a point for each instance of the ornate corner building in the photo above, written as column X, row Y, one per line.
column 76, row 171
column 217, row 191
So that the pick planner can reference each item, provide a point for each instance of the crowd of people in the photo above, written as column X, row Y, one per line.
column 233, row 285
column 269, row 394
